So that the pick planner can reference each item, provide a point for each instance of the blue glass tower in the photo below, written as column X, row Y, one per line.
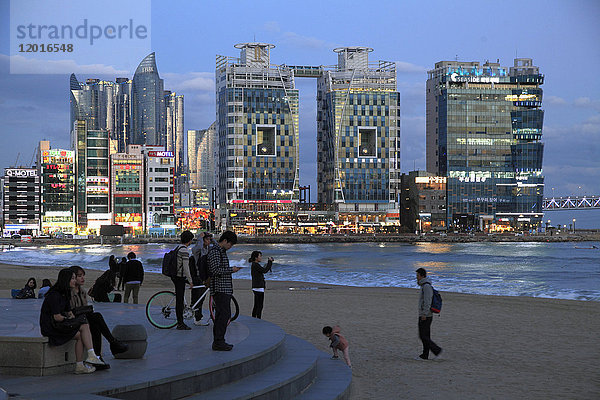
column 148, row 105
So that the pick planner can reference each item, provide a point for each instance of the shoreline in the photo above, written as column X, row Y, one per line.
column 330, row 238
column 494, row 346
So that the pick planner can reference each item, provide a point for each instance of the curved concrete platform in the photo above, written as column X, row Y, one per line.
column 265, row 363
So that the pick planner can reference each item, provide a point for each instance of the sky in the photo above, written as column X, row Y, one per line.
column 560, row 36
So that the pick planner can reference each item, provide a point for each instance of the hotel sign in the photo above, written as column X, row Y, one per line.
column 160, row 154
column 21, row 173
column 454, row 77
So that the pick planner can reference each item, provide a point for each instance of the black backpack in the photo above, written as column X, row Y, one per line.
column 436, row 301
column 169, row 264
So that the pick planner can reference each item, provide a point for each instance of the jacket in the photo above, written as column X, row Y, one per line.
column 134, row 271
column 258, row 274
column 78, row 298
column 425, row 297
column 337, row 340
column 183, row 263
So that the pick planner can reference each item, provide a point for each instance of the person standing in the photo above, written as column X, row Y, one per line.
column 200, row 253
column 426, row 316
column 183, row 276
column 221, row 288
column 134, row 276
column 98, row 327
column 258, row 281
column 121, row 266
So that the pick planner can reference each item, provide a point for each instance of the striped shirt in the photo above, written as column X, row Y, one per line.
column 218, row 266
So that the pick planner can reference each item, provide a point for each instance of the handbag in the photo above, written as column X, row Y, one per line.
column 82, row 310
column 69, row 325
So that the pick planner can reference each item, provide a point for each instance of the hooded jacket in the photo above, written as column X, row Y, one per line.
column 425, row 297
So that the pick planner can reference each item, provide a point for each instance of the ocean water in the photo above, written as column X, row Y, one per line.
column 552, row 270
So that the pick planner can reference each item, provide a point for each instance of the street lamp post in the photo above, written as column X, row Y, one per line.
column 573, row 225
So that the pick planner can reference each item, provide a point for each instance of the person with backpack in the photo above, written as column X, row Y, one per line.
column 182, row 276
column 199, row 271
column 221, row 288
column 426, row 316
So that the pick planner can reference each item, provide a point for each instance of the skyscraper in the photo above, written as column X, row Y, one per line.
column 148, row 104
column 484, row 129
column 174, row 126
column 358, row 133
column 257, row 127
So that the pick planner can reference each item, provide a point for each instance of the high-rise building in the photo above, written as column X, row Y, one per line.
column 257, row 127
column 160, row 182
column 21, row 201
column 91, row 177
column 201, row 164
column 358, row 133
column 423, row 202
column 57, row 184
column 484, row 129
column 148, row 105
column 192, row 156
column 127, row 188
column 175, row 132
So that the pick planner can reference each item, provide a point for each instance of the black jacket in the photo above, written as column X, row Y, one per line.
column 258, row 274
column 134, row 271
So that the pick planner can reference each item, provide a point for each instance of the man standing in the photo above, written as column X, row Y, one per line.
column 221, row 288
column 426, row 316
column 200, row 253
column 134, row 276
column 183, row 276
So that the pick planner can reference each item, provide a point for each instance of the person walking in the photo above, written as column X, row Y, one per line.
column 134, row 276
column 258, row 281
column 426, row 316
column 200, row 253
column 183, row 276
column 98, row 327
column 221, row 288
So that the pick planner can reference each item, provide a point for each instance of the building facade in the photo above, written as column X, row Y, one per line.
column 484, row 129
column 423, row 202
column 127, row 188
column 358, row 134
column 57, row 190
column 160, row 182
column 148, row 104
column 175, row 133
column 21, row 201
column 257, row 127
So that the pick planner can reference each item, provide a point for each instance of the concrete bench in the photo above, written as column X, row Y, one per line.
column 34, row 356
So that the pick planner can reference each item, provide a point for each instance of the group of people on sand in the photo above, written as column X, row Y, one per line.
column 28, row 291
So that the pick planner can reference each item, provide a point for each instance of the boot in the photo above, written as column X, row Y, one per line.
column 117, row 347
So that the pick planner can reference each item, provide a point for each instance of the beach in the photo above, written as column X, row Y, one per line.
column 495, row 347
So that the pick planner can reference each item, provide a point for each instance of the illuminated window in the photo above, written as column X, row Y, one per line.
column 367, row 142
column 265, row 140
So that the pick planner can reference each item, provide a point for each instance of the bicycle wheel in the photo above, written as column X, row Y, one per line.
column 160, row 310
column 235, row 309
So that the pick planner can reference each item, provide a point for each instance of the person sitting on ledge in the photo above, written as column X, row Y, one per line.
column 28, row 291
column 46, row 284
column 56, row 309
column 98, row 327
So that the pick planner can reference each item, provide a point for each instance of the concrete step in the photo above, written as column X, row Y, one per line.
column 284, row 379
column 333, row 381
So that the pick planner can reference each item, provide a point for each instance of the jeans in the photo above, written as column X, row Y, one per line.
column 133, row 288
column 425, row 336
column 98, row 328
column 196, row 294
column 222, row 316
column 179, row 283
column 259, row 301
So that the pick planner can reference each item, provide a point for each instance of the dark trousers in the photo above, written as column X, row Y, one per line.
column 196, row 294
column 179, row 283
column 222, row 315
column 98, row 328
column 259, row 301
column 425, row 336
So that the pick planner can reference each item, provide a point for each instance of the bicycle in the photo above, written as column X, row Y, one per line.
column 160, row 309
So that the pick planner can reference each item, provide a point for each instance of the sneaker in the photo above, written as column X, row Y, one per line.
column 438, row 356
column 183, row 327
column 93, row 360
column 84, row 369
column 222, row 347
column 201, row 322
column 334, row 357
column 117, row 347
column 101, row 367
column 421, row 358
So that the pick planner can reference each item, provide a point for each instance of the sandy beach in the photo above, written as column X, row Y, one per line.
column 494, row 347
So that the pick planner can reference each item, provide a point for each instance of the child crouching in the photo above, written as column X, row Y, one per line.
column 338, row 342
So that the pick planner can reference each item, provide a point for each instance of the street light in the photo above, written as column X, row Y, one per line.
column 573, row 225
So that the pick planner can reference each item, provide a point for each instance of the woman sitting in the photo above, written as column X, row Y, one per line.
column 46, row 284
column 28, row 291
column 56, row 309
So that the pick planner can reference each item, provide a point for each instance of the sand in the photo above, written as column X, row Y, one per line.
column 494, row 347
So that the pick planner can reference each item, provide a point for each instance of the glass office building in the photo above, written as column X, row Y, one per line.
column 358, row 132
column 484, row 129
column 257, row 127
column 148, row 104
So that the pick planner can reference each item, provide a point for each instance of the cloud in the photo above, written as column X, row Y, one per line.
column 297, row 40
column 555, row 100
column 190, row 82
column 409, row 68
column 23, row 65
column 272, row 26
column 586, row 102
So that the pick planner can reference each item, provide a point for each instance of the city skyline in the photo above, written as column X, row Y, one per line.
column 38, row 106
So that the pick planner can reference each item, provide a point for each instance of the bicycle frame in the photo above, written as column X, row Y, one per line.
column 193, row 306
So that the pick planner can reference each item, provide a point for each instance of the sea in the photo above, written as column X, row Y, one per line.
column 563, row 270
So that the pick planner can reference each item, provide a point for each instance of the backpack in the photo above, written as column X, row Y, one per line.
column 203, row 272
column 436, row 301
column 169, row 263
